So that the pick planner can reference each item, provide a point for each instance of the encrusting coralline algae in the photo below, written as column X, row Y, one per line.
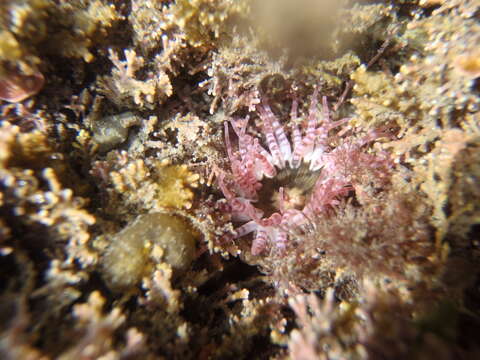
column 170, row 186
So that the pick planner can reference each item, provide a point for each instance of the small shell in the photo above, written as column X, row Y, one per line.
column 16, row 87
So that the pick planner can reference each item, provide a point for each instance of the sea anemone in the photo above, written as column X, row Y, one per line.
column 276, row 191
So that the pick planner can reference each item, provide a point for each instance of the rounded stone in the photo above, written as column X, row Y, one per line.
column 129, row 255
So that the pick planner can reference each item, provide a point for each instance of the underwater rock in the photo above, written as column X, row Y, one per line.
column 133, row 251
column 111, row 131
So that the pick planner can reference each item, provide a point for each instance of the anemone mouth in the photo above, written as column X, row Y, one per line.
column 298, row 184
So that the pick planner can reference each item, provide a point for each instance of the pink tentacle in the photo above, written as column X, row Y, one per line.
column 264, row 166
column 274, row 220
column 325, row 111
column 293, row 217
column 270, row 138
column 280, row 136
column 228, row 144
column 245, row 229
column 244, row 140
column 260, row 242
column 294, row 110
column 225, row 189
column 281, row 240
column 308, row 142
column 297, row 147
column 313, row 104
column 242, row 209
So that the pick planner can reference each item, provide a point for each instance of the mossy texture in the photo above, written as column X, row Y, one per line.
column 121, row 215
